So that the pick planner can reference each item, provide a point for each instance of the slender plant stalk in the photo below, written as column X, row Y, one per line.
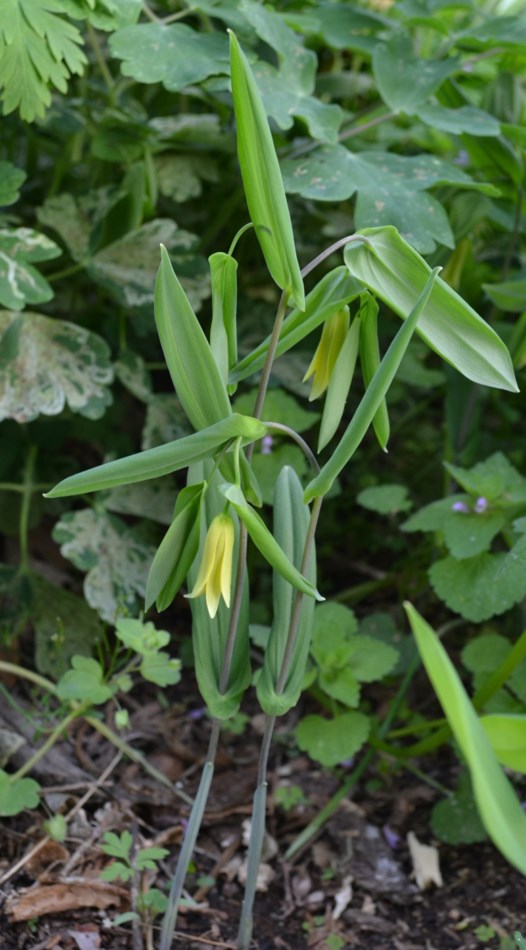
column 23, row 528
column 14, row 670
column 48, row 744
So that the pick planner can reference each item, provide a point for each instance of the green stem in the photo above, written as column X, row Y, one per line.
column 99, row 56
column 23, row 528
column 307, row 451
column 14, row 670
column 50, row 741
column 269, row 360
column 190, row 838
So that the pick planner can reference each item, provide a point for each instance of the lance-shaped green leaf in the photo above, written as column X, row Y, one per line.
column 266, row 542
column 262, row 179
column 499, row 808
column 397, row 274
column 335, row 290
column 291, row 523
column 210, row 635
column 177, row 551
column 223, row 331
column 163, row 459
column 371, row 399
column 187, row 352
column 507, row 735
column 370, row 361
column 339, row 385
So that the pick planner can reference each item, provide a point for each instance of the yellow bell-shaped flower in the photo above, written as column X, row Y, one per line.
column 332, row 337
column 214, row 578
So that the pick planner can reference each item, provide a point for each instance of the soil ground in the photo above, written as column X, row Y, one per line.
column 353, row 886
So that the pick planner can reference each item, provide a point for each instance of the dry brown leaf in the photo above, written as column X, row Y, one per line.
column 58, row 898
column 51, row 852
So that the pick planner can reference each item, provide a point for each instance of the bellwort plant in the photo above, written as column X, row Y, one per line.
column 216, row 514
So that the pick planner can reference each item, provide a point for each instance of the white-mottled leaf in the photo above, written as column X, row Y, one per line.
column 154, row 499
column 131, row 371
column 180, row 176
column 20, row 282
column 165, row 421
column 128, row 267
column 115, row 557
column 47, row 364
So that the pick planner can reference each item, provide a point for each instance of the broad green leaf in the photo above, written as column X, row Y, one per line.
column 341, row 685
column 372, row 398
column 456, row 121
column 385, row 499
column 38, row 49
column 332, row 741
column 483, row 586
column 498, row 30
column 287, row 90
column 332, row 292
column 162, row 460
column 405, row 80
column 52, row 364
column 175, row 55
column 195, row 375
column 498, row 805
column 11, row 180
column 349, row 27
column 291, row 523
column 485, row 653
column 370, row 659
column 161, row 669
column 20, row 282
column 17, row 795
column 495, row 478
column 105, row 14
column 509, row 295
column 391, row 189
column 84, row 682
column 113, row 555
column 507, row 735
column 127, row 268
column 455, row 820
column 141, row 637
column 262, row 180
column 393, row 271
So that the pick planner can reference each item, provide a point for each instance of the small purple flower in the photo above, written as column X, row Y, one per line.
column 460, row 506
column 266, row 445
column 481, row 505
column 393, row 840
column 196, row 714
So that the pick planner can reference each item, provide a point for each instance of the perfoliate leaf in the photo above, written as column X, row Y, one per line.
column 262, row 180
column 20, row 282
column 11, row 179
column 52, row 364
column 17, row 795
column 393, row 271
column 175, row 55
column 497, row 803
column 372, row 399
column 196, row 378
column 114, row 556
column 38, row 49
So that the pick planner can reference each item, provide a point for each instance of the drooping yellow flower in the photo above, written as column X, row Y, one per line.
column 214, row 578
column 332, row 337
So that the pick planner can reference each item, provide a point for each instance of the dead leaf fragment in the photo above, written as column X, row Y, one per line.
column 425, row 863
column 58, row 898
